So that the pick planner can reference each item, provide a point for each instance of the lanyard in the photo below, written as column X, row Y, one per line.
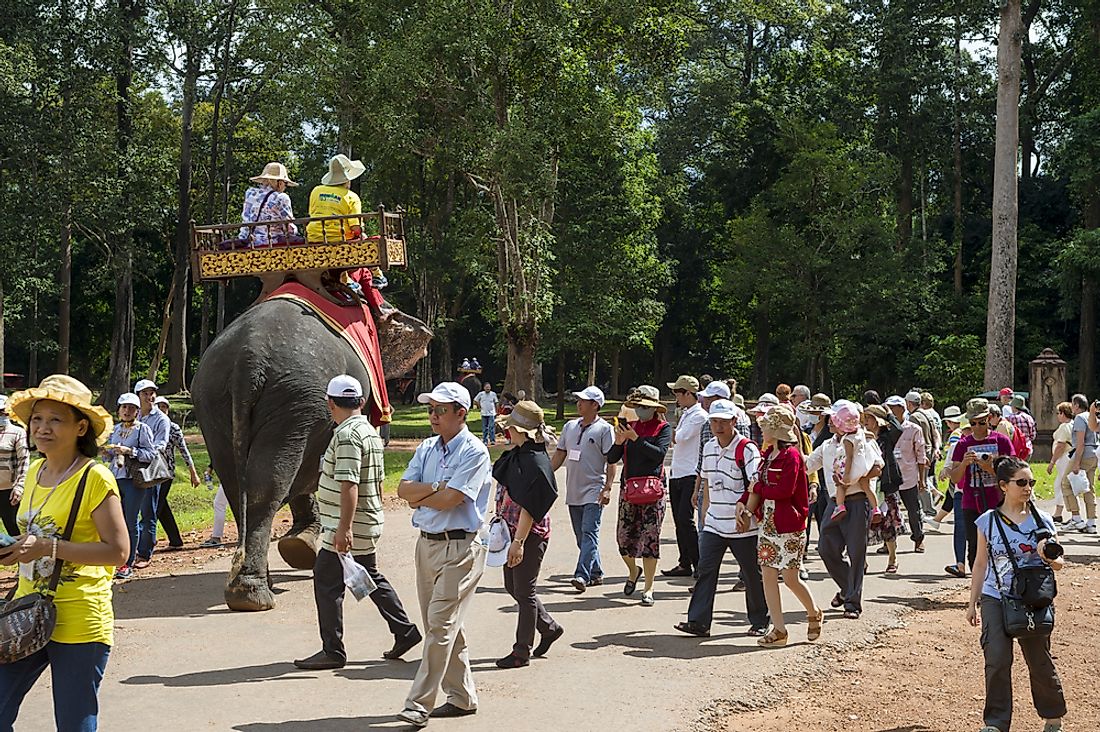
column 31, row 513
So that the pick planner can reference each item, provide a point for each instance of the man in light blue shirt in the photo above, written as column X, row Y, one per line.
column 448, row 482
column 161, row 428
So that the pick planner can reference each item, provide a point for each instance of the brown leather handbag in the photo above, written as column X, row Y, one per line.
column 27, row 623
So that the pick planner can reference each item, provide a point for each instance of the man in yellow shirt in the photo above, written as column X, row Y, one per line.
column 334, row 197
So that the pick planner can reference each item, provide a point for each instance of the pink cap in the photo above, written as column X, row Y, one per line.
column 1006, row 391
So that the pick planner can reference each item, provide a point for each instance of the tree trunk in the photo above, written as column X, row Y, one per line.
column 616, row 367
column 561, row 385
column 219, row 318
column 2, row 344
column 592, row 369
column 65, row 284
column 521, row 362
column 1086, row 369
column 760, row 377
column 204, row 321
column 1001, row 319
column 177, row 344
column 122, row 330
column 957, row 178
column 905, row 191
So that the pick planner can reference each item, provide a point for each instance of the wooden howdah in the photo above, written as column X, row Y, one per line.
column 215, row 255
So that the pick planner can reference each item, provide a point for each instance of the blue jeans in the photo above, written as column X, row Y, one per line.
column 586, row 527
column 143, row 533
column 76, row 670
column 488, row 429
column 959, row 529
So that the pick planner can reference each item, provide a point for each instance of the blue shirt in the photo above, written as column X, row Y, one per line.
column 1022, row 542
column 464, row 464
column 139, row 437
column 161, row 427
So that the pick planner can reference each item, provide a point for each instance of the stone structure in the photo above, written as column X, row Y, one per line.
column 1048, row 388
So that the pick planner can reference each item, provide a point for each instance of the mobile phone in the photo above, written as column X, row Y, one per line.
column 5, row 540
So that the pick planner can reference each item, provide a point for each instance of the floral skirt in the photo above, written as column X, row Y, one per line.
column 639, row 529
column 780, row 551
column 892, row 526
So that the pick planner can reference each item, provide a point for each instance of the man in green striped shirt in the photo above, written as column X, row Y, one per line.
column 349, row 497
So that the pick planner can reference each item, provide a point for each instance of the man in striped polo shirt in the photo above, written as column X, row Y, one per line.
column 730, row 464
column 349, row 497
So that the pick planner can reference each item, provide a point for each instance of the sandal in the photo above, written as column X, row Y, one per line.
column 773, row 639
column 141, row 563
column 758, row 630
column 813, row 625
column 954, row 571
column 851, row 614
column 837, row 600
column 891, row 569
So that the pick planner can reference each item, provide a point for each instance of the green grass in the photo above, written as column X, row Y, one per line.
column 410, row 421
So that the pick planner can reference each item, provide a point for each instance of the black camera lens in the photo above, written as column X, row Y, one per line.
column 1052, row 549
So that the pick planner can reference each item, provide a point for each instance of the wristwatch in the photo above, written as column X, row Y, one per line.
column 435, row 486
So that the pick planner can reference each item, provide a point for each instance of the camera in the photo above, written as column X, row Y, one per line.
column 1052, row 549
column 985, row 456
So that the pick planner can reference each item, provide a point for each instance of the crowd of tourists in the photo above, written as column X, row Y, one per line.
column 750, row 479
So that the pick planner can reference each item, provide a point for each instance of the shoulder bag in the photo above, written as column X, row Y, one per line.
column 643, row 490
column 26, row 624
column 1021, row 619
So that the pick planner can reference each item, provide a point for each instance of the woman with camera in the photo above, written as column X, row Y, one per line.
column 1019, row 539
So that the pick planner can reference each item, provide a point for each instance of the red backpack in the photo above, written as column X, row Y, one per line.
column 1020, row 444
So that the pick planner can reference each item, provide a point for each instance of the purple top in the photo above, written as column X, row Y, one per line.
column 994, row 445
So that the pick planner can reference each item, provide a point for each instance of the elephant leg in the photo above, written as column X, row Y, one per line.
column 249, row 587
column 299, row 545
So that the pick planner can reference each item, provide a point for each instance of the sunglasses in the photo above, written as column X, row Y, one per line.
column 440, row 410
column 1024, row 482
column 679, row 391
column 980, row 422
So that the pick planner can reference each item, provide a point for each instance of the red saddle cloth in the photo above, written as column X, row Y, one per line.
column 355, row 324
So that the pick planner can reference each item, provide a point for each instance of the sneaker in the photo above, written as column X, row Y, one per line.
column 1074, row 524
column 934, row 525
column 1058, row 519
column 124, row 572
column 578, row 584
column 738, row 586
column 1089, row 529
column 212, row 543
column 415, row 717
column 595, row 582
column 647, row 599
column 803, row 574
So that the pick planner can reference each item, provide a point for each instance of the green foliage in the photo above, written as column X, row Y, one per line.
column 952, row 368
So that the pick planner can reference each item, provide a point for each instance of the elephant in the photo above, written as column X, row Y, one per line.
column 259, row 397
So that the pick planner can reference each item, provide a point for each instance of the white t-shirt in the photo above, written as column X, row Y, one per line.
column 726, row 485
column 487, row 402
column 826, row 455
column 685, row 451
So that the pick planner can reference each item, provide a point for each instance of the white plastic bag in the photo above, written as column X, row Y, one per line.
column 356, row 577
column 1079, row 482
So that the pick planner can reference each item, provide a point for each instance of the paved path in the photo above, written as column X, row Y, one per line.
column 183, row 660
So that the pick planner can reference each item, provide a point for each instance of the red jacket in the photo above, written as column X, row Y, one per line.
column 784, row 481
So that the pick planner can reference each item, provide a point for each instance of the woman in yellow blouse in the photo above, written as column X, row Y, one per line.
column 65, row 427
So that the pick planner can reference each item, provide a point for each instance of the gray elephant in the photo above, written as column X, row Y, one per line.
column 259, row 396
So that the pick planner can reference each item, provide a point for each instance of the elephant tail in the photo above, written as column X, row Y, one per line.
column 241, row 409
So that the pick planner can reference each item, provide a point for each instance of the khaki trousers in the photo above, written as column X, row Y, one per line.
column 447, row 573
column 1088, row 466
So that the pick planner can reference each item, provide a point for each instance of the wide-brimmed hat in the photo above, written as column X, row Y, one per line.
column 685, row 382
column 273, row 172
column 66, row 390
column 845, row 416
column 952, row 413
column 1017, row 402
column 766, row 401
column 525, row 417
column 977, row 408
column 878, row 412
column 499, row 542
column 817, row 404
column 646, row 396
column 342, row 169
column 779, row 424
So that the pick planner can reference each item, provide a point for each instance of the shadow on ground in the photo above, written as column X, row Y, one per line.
column 193, row 595
column 354, row 670
column 328, row 724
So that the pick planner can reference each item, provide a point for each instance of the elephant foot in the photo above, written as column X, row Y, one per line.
column 249, row 594
column 300, row 550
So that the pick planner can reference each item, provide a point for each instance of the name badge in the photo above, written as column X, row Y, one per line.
column 575, row 455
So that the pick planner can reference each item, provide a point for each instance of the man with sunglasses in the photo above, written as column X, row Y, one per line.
column 448, row 483
column 972, row 470
column 683, row 473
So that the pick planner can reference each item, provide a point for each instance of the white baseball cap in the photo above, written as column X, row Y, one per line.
column 447, row 392
column 161, row 400
column 130, row 398
column 3, row 402
column 592, row 394
column 499, row 541
column 716, row 389
column 722, row 409
column 143, row 385
column 344, row 386
column 894, row 401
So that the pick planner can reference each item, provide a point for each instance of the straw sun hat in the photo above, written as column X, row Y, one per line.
column 525, row 417
column 273, row 172
column 67, row 390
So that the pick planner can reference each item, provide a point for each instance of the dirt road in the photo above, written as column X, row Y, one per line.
column 180, row 655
